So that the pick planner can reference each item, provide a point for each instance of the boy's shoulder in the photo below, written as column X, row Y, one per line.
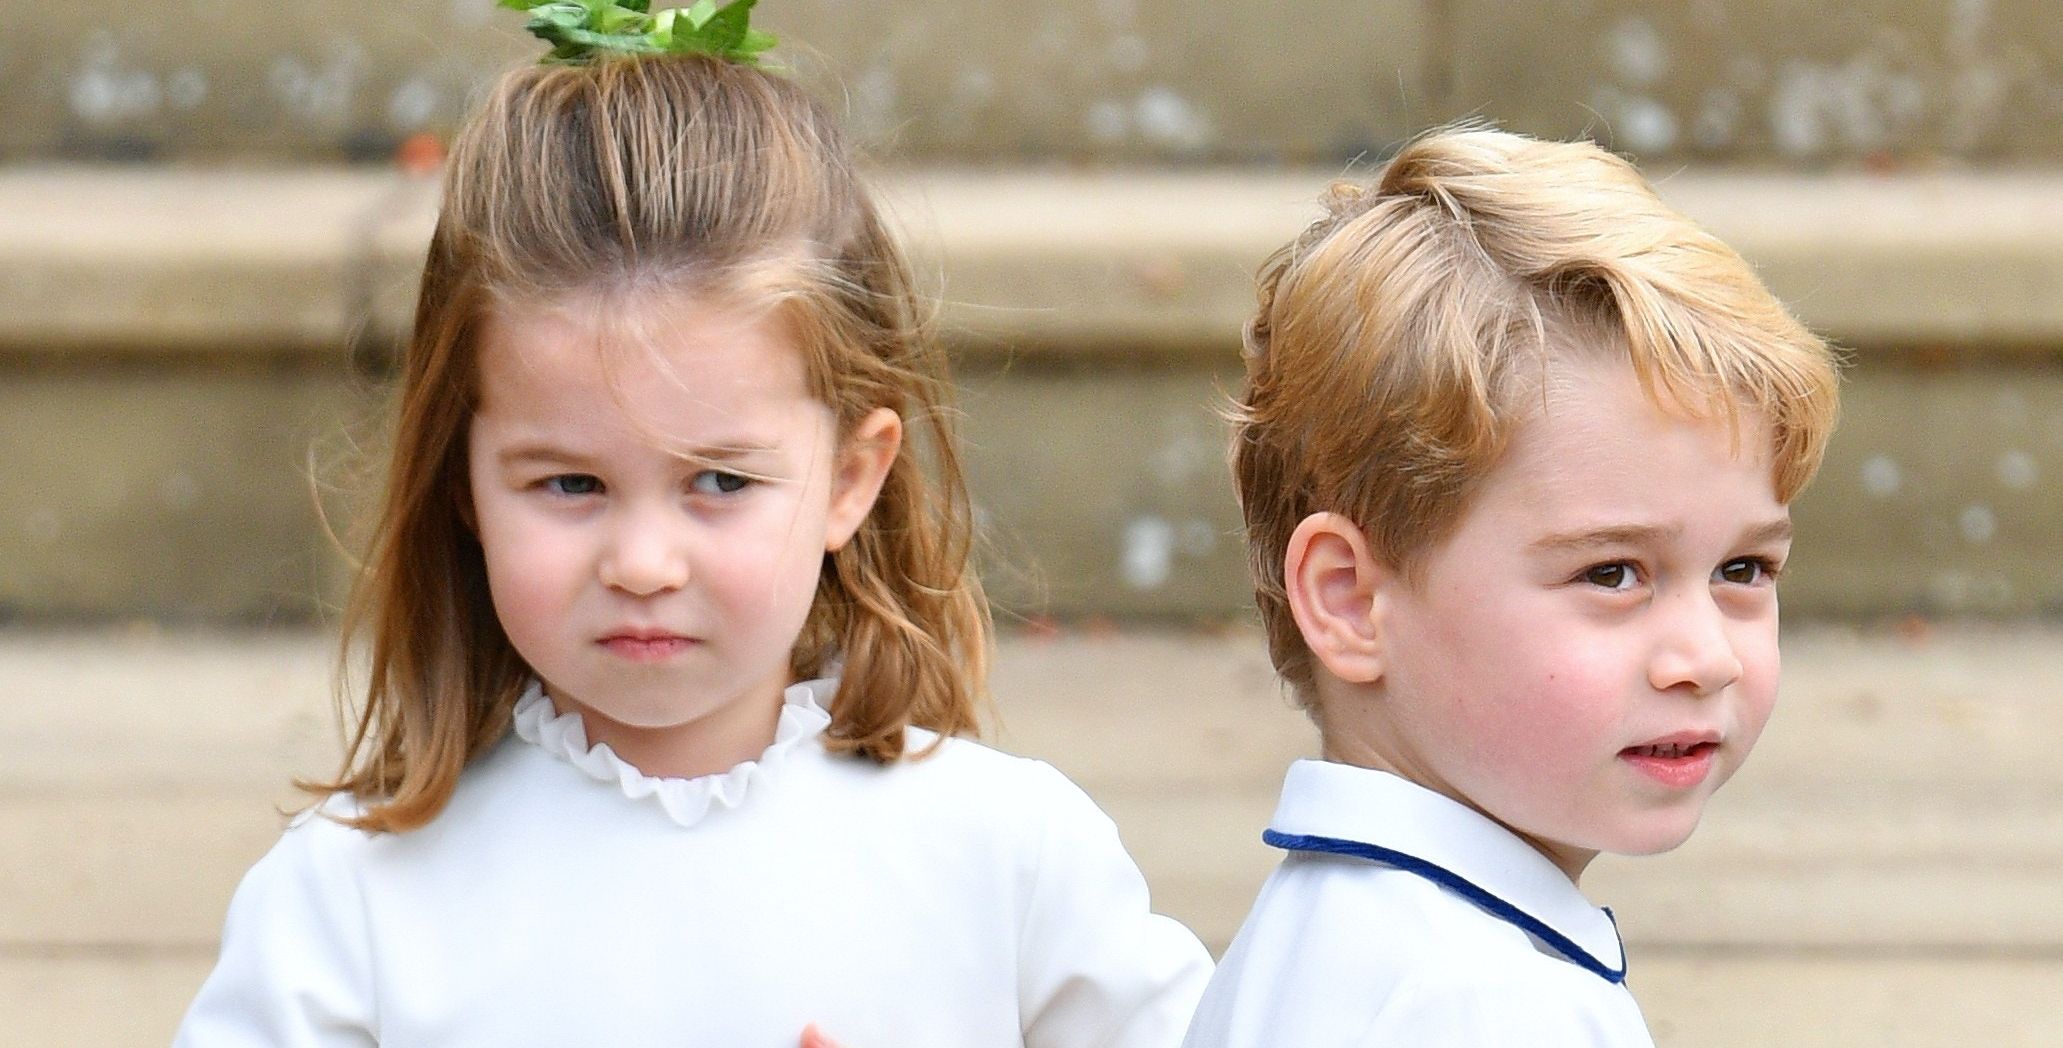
column 1323, row 906
column 1452, row 1001
column 1431, row 965
column 1456, row 930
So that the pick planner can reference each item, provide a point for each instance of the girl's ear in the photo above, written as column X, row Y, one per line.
column 462, row 498
column 1335, row 590
column 864, row 458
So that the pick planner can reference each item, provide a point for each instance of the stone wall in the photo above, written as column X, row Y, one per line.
column 1875, row 83
column 187, row 356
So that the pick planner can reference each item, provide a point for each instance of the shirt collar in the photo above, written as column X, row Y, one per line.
column 1341, row 809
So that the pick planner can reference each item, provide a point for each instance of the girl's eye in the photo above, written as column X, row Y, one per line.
column 1615, row 576
column 573, row 484
column 1747, row 571
column 717, row 482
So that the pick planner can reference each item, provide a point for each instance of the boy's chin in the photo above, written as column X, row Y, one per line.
column 1658, row 839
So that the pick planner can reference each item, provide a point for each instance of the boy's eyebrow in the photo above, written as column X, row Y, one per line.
column 1776, row 530
column 1610, row 535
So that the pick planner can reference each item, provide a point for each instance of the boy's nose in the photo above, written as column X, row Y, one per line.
column 1695, row 650
column 644, row 557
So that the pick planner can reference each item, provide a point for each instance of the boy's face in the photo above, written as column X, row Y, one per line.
column 1594, row 649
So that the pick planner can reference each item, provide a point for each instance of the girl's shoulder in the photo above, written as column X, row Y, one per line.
column 325, row 826
column 322, row 836
column 959, row 781
column 315, row 868
column 968, row 764
column 484, row 798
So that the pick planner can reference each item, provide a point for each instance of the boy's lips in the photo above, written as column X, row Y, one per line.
column 646, row 645
column 1681, row 760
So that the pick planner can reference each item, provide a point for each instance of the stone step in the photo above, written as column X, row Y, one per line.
column 1862, row 821
column 1879, row 81
column 312, row 260
column 192, row 494
column 1690, row 999
column 177, row 353
column 1882, row 872
column 1901, row 873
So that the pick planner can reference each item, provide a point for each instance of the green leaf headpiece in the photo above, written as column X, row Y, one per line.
column 584, row 30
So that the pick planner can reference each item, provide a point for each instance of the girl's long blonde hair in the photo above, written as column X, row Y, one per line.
column 675, row 175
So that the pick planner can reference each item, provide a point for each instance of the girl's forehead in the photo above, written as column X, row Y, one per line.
column 658, row 365
column 674, row 336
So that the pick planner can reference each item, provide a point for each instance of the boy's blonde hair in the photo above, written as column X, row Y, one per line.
column 680, row 176
column 1398, row 339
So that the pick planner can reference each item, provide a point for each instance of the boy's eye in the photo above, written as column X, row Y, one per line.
column 718, row 482
column 573, row 484
column 1746, row 571
column 1617, row 576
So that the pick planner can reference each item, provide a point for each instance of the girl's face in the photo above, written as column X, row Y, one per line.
column 654, row 526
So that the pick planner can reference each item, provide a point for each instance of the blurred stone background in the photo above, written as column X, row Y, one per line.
column 1101, row 81
column 212, row 212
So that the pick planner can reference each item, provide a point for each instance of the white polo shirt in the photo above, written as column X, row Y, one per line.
column 1401, row 917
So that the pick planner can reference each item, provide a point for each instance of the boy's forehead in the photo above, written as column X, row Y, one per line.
column 1595, row 423
column 1579, row 389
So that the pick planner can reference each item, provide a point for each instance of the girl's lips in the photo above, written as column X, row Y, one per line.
column 1676, row 764
column 652, row 647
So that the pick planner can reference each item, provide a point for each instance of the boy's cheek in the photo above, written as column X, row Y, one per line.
column 1761, row 670
column 1756, row 707
column 1522, row 717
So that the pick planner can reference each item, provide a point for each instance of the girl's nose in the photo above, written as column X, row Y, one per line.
column 1695, row 650
column 645, row 557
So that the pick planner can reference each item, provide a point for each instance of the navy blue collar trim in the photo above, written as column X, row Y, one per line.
column 1460, row 885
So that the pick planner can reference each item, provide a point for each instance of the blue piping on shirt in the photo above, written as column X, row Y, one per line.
column 1462, row 886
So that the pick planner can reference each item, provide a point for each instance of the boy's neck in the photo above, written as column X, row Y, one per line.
column 1353, row 731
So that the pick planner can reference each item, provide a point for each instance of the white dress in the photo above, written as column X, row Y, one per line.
column 563, row 898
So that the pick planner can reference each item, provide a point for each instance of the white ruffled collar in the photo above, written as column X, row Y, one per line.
column 686, row 801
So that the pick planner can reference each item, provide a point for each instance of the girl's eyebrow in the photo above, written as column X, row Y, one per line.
column 545, row 453
column 730, row 450
column 726, row 451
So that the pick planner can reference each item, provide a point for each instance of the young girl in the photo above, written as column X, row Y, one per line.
column 670, row 634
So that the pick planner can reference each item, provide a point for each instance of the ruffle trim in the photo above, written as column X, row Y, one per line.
column 685, row 801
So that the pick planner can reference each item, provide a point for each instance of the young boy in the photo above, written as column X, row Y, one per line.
column 1515, row 453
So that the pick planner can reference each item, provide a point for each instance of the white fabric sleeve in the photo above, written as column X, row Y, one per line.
column 1098, row 968
column 295, row 965
column 1446, row 1008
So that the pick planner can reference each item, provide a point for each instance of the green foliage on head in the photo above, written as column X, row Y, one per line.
column 584, row 30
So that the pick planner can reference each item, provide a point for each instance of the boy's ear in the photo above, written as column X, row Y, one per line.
column 863, row 460
column 1335, row 589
